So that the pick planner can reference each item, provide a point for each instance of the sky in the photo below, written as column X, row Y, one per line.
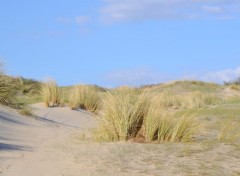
column 121, row 42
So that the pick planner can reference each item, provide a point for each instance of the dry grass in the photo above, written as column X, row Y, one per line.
column 167, row 99
column 122, row 115
column 199, row 100
column 51, row 93
column 162, row 125
column 84, row 97
column 8, row 90
column 234, row 87
column 229, row 132
column 192, row 100
column 129, row 114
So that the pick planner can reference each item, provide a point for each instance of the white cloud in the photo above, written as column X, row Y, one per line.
column 217, row 76
column 127, row 10
column 224, row 75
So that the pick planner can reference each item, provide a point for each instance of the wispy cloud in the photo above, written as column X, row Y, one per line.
column 127, row 10
column 143, row 76
column 217, row 76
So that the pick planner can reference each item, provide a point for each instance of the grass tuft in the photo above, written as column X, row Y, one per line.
column 51, row 93
column 122, row 115
column 84, row 97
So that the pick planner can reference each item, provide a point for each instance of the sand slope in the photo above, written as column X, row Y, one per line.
column 26, row 143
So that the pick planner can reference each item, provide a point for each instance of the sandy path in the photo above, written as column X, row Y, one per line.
column 26, row 143
column 55, row 146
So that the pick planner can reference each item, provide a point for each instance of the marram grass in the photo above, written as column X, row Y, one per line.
column 122, row 115
column 84, row 97
column 51, row 93
column 129, row 114
column 8, row 90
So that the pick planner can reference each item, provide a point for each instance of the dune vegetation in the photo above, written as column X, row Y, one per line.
column 51, row 93
column 18, row 92
column 84, row 97
column 181, row 111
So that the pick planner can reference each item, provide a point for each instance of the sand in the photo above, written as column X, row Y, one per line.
column 58, row 143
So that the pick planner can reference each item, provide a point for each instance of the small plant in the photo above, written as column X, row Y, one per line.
column 51, row 93
column 84, row 97
column 229, row 131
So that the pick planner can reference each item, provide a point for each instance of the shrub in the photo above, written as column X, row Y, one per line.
column 84, row 97
column 51, row 93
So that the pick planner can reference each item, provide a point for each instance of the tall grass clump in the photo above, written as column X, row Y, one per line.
column 162, row 125
column 229, row 131
column 122, row 115
column 130, row 115
column 51, row 93
column 84, row 97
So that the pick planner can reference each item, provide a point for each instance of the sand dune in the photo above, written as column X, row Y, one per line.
column 57, row 144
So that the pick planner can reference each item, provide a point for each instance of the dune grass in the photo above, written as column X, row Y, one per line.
column 199, row 99
column 8, row 90
column 164, row 125
column 122, row 115
column 85, row 97
column 51, row 94
column 167, row 99
column 130, row 114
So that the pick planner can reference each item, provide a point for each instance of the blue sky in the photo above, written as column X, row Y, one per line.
column 121, row 42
